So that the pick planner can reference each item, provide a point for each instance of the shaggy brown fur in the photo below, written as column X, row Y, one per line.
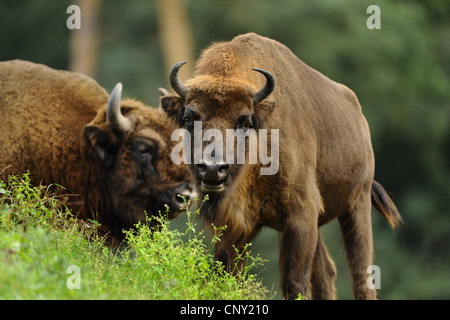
column 53, row 124
column 325, row 156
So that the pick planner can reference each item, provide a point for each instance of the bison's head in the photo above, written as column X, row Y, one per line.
column 132, row 144
column 226, row 106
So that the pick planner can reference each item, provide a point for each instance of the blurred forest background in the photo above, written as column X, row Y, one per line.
column 400, row 74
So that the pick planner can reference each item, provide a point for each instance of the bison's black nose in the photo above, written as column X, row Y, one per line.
column 213, row 171
column 184, row 193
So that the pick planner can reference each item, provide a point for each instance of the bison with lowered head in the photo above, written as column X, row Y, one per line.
column 112, row 156
column 326, row 162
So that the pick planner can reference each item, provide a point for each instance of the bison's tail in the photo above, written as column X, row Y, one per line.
column 384, row 204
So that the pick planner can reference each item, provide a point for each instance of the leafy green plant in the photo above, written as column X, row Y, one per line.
column 188, row 268
column 22, row 204
column 40, row 241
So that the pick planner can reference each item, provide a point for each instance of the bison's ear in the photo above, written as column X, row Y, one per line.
column 262, row 111
column 162, row 92
column 174, row 106
column 99, row 139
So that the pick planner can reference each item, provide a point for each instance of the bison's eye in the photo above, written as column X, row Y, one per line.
column 143, row 147
column 188, row 119
column 245, row 123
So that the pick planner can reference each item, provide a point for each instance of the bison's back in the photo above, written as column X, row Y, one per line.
column 32, row 87
column 42, row 115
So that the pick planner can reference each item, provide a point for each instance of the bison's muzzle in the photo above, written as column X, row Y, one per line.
column 212, row 175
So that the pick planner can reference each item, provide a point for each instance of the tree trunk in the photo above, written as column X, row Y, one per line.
column 175, row 35
column 85, row 41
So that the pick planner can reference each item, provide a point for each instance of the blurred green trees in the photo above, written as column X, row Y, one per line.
column 400, row 74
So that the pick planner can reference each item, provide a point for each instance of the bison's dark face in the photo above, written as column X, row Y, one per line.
column 133, row 144
column 204, row 121
column 212, row 109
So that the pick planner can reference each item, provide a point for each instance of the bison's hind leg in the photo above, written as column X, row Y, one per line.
column 323, row 274
column 356, row 227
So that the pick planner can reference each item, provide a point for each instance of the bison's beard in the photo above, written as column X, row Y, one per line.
column 210, row 207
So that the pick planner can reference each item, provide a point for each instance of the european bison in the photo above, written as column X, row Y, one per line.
column 112, row 156
column 326, row 162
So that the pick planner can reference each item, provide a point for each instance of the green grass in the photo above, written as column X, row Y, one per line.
column 45, row 254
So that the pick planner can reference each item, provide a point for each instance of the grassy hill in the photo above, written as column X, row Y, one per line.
column 46, row 254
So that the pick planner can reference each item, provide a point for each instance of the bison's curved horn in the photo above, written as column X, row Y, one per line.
column 267, row 89
column 116, row 120
column 175, row 81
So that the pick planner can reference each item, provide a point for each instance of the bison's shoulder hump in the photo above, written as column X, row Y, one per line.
column 23, row 75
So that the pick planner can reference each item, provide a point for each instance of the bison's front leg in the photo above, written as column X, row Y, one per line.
column 298, row 246
column 231, row 243
column 225, row 253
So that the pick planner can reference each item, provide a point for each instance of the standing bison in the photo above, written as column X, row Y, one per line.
column 326, row 162
column 112, row 156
